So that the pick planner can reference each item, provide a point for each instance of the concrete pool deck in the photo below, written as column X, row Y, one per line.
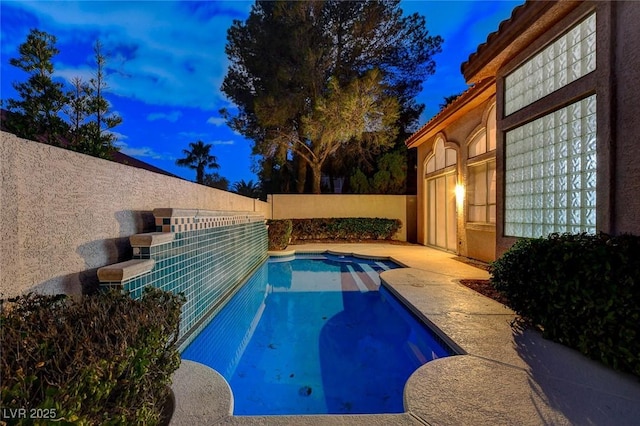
column 508, row 376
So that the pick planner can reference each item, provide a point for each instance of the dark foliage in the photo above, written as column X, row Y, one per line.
column 350, row 228
column 279, row 233
column 582, row 290
column 106, row 359
column 296, row 71
column 199, row 158
column 37, row 114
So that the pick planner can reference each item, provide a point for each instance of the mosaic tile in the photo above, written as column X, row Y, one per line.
column 204, row 264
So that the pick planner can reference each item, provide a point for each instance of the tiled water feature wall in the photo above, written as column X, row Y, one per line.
column 203, row 254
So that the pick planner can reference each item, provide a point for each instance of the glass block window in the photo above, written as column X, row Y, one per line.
column 550, row 173
column 570, row 57
column 481, row 193
column 442, row 157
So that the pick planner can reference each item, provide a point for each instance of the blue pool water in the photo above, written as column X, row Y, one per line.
column 315, row 335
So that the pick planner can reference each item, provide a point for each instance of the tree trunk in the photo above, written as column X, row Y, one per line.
column 301, row 175
column 316, row 169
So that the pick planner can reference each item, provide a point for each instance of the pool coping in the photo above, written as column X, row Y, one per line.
column 507, row 376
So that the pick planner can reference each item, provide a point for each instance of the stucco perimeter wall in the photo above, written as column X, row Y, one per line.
column 307, row 206
column 66, row 214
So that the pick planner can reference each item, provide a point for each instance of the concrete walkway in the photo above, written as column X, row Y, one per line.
column 507, row 376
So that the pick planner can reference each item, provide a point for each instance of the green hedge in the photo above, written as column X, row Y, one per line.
column 350, row 228
column 279, row 233
column 106, row 359
column 583, row 290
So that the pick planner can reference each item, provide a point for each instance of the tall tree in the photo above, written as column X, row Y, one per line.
column 276, row 176
column 99, row 139
column 77, row 109
column 88, row 111
column 357, row 114
column 199, row 158
column 36, row 113
column 389, row 178
column 320, row 78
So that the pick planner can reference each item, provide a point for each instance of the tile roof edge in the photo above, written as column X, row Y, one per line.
column 530, row 10
column 453, row 106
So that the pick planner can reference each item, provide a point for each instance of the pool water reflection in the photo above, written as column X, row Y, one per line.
column 316, row 335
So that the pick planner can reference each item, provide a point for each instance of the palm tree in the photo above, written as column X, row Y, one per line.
column 248, row 189
column 198, row 159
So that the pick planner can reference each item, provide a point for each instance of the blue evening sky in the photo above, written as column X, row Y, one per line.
column 166, row 63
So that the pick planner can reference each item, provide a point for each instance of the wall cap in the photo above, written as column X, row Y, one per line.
column 123, row 271
column 171, row 212
column 151, row 239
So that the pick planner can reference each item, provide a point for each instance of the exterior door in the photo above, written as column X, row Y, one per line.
column 441, row 211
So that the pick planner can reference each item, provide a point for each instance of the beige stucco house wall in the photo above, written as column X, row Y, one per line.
column 458, row 125
column 597, row 89
column 566, row 89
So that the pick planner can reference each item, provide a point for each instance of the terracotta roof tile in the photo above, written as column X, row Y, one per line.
column 526, row 23
column 492, row 36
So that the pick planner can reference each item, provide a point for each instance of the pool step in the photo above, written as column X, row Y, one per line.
column 383, row 266
column 375, row 277
column 363, row 279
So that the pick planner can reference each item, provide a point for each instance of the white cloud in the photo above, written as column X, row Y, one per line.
column 205, row 137
column 173, row 116
column 119, row 136
column 69, row 73
column 193, row 135
column 217, row 121
column 227, row 142
column 144, row 151
column 161, row 52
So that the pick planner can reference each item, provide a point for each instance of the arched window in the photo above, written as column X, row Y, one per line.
column 485, row 140
column 481, row 180
column 441, row 158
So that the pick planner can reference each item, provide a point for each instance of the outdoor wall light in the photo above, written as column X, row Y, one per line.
column 459, row 193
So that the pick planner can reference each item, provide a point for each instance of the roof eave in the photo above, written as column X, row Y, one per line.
column 462, row 104
column 527, row 22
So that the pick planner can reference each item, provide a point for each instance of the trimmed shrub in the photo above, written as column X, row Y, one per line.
column 350, row 228
column 582, row 290
column 279, row 233
column 106, row 359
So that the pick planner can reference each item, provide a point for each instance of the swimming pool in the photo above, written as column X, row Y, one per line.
column 316, row 335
